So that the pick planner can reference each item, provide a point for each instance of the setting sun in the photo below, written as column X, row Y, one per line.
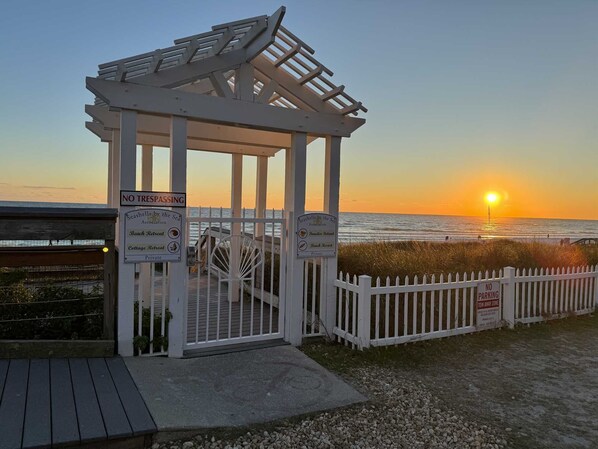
column 491, row 197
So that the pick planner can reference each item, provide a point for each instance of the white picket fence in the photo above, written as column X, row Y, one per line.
column 434, row 307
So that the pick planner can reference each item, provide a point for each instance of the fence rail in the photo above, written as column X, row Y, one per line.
column 390, row 313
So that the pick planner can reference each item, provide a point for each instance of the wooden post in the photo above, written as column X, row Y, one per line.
column 331, row 206
column 115, row 200
column 147, row 168
column 109, row 289
column 178, row 273
column 364, row 311
column 236, row 205
column 295, row 165
column 508, row 300
column 261, row 189
column 109, row 185
column 126, row 272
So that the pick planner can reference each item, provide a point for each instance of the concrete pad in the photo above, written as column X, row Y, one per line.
column 236, row 389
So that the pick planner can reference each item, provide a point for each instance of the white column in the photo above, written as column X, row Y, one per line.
column 178, row 272
column 109, row 183
column 261, row 189
column 236, row 205
column 294, row 206
column 115, row 199
column 331, row 199
column 147, row 168
column 126, row 272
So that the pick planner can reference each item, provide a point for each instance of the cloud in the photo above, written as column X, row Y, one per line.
column 47, row 188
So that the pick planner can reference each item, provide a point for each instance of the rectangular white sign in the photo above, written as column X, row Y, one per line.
column 152, row 235
column 317, row 236
column 146, row 198
column 488, row 305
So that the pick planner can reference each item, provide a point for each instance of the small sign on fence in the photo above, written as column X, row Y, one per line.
column 316, row 235
column 152, row 235
column 488, row 305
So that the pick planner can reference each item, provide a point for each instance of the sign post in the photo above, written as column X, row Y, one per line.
column 317, row 235
column 488, row 305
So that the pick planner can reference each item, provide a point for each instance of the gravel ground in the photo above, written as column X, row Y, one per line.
column 401, row 413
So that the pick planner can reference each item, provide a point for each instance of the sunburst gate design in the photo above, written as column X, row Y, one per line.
column 249, row 258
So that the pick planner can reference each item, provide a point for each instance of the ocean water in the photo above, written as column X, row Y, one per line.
column 359, row 227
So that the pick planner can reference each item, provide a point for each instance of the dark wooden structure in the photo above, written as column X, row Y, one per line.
column 60, row 224
column 82, row 402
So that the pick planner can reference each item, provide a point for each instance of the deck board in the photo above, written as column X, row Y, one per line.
column 65, row 427
column 91, row 422
column 67, row 402
column 3, row 370
column 12, row 407
column 37, row 431
column 139, row 417
column 115, row 418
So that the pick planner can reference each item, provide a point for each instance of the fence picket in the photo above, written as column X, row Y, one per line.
column 432, row 304
column 397, row 308
column 387, row 309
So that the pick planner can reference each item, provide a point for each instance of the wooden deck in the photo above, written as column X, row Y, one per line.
column 55, row 402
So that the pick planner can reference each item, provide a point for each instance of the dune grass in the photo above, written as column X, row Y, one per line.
column 418, row 258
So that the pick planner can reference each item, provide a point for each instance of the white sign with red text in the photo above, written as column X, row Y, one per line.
column 488, row 305
column 146, row 198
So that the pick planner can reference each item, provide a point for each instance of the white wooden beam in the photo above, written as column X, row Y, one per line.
column 221, row 85
column 244, row 82
column 126, row 272
column 332, row 166
column 223, row 41
column 221, row 110
column 177, row 283
column 115, row 200
column 147, row 175
column 154, row 124
column 109, row 184
column 159, row 140
column 294, row 206
column 266, row 92
column 236, row 204
column 288, row 55
column 261, row 191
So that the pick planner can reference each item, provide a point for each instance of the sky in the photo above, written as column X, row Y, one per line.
column 464, row 97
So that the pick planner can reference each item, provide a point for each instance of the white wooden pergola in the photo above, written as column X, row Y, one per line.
column 249, row 87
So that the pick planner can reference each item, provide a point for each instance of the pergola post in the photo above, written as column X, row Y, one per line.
column 147, row 168
column 177, row 272
column 115, row 170
column 110, row 181
column 295, row 171
column 331, row 206
column 126, row 272
column 261, row 189
column 236, row 205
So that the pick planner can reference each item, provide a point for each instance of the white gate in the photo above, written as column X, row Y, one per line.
column 236, row 288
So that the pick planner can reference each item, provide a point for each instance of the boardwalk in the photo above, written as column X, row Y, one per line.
column 52, row 402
